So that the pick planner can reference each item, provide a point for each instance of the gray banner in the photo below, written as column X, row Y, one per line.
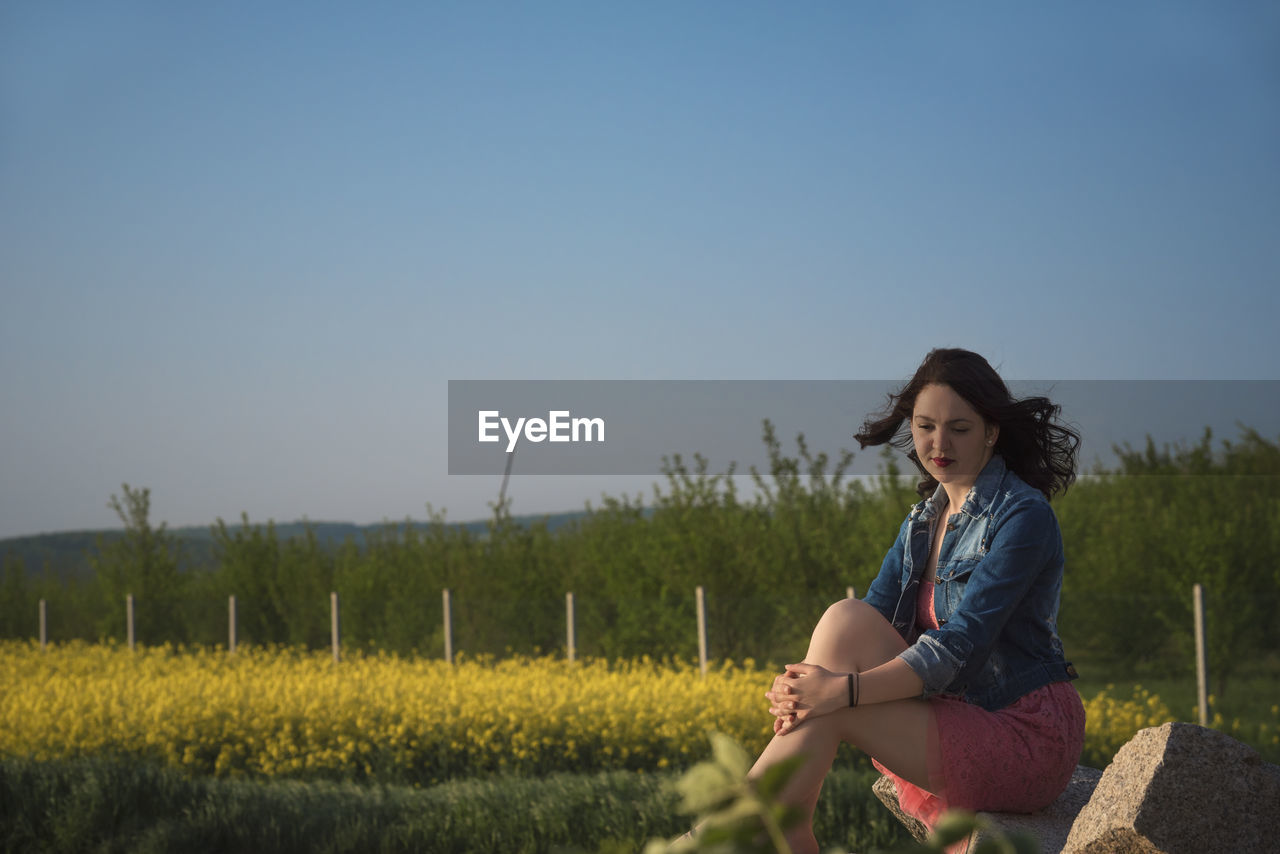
column 627, row 427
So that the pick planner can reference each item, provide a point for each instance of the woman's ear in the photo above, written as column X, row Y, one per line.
column 993, row 433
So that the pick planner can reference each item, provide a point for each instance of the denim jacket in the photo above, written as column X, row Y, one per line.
column 999, row 578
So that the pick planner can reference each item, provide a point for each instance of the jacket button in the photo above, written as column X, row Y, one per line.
column 951, row 526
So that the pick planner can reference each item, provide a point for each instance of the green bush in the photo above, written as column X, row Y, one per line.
column 106, row 806
column 1136, row 541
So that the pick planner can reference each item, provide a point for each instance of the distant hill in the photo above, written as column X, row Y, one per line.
column 66, row 554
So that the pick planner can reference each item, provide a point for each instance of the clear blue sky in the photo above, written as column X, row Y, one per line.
column 244, row 246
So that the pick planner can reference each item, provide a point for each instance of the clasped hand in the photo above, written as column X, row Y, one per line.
column 804, row 691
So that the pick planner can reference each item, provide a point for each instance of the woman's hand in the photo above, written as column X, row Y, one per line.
column 804, row 691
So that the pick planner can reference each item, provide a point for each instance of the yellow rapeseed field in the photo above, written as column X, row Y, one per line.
column 290, row 713
column 283, row 712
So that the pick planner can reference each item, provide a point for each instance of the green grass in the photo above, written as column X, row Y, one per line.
column 103, row 806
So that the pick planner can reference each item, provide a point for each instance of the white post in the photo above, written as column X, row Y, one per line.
column 128, row 615
column 231, row 624
column 848, row 592
column 44, row 634
column 702, row 630
column 568, row 616
column 1202, row 668
column 448, row 628
column 333, row 624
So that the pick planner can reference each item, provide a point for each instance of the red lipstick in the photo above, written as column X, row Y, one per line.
column 942, row 462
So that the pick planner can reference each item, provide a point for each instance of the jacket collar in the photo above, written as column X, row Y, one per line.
column 980, row 496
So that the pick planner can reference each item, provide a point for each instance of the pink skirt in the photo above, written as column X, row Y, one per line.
column 1018, row 759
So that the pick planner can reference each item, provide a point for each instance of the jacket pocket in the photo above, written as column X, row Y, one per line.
column 954, row 578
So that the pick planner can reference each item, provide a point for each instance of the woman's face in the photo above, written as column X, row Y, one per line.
column 951, row 439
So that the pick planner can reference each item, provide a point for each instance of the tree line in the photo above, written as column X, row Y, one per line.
column 1137, row 538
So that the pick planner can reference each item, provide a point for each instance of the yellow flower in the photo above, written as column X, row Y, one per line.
column 278, row 712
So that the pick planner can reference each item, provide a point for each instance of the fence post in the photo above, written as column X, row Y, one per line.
column 128, row 616
column 702, row 630
column 568, row 616
column 448, row 628
column 333, row 624
column 231, row 624
column 44, row 634
column 849, row 593
column 1202, row 668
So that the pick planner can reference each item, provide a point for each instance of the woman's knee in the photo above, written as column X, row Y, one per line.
column 850, row 617
column 850, row 609
column 850, row 633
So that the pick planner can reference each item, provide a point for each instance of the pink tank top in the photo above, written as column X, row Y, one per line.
column 925, row 618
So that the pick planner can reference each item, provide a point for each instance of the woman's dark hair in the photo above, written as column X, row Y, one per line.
column 1034, row 447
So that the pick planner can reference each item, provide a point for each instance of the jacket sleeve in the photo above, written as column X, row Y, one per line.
column 1022, row 544
column 884, row 591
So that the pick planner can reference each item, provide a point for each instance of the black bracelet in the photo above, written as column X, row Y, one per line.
column 854, row 689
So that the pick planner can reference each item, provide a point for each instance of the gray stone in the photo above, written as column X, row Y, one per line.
column 1179, row 789
column 1049, row 826
column 888, row 795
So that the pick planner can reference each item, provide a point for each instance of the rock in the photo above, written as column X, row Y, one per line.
column 1179, row 789
column 887, row 792
column 1049, row 827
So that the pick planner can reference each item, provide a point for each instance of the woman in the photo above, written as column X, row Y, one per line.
column 950, row 673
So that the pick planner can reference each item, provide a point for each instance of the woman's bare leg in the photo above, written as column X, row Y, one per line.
column 851, row 636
